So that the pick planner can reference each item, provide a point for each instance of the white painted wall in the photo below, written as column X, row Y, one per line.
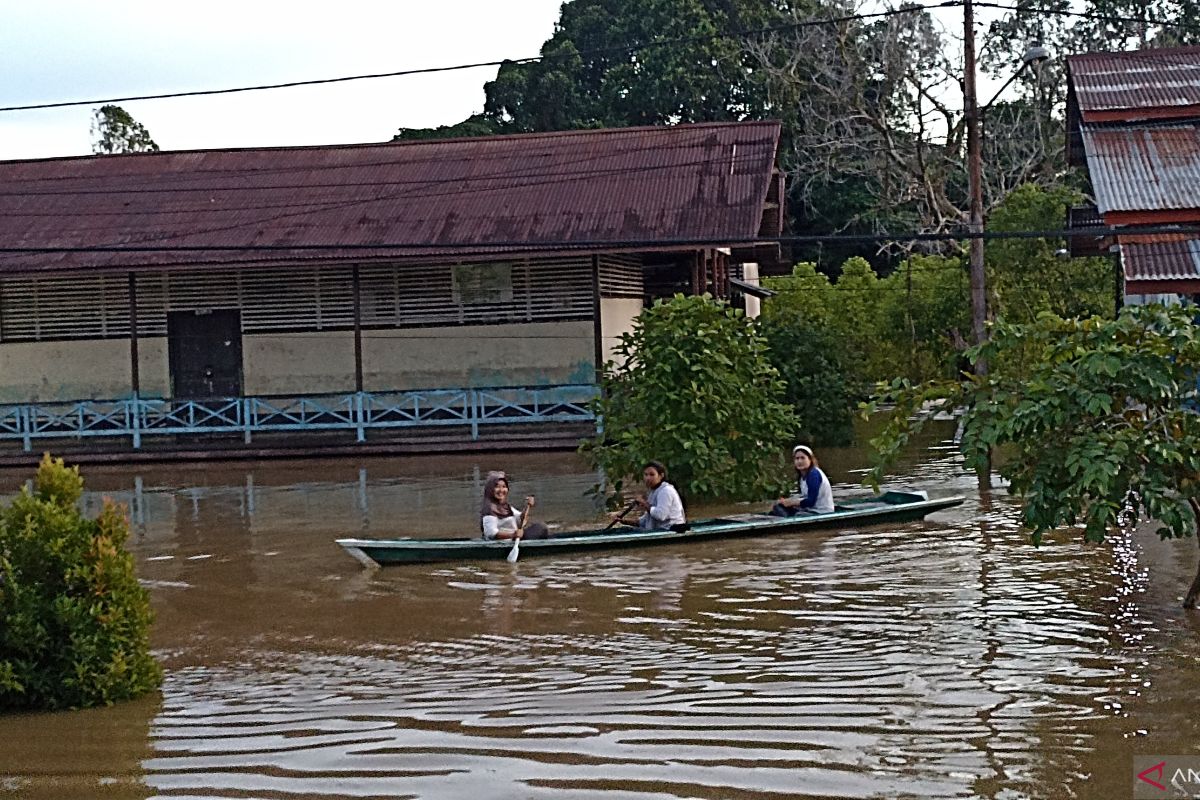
column 67, row 370
column 298, row 363
column 617, row 315
column 753, row 304
column 529, row 353
column 308, row 363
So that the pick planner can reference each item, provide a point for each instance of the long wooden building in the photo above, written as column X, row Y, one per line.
column 363, row 289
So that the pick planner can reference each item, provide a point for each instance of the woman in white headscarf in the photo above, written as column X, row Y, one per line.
column 499, row 520
column 815, row 493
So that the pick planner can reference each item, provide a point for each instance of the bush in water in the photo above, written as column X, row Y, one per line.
column 74, row 622
column 692, row 387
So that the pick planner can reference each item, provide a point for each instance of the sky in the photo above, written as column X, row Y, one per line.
column 59, row 50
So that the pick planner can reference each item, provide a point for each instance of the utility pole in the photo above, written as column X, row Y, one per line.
column 975, row 186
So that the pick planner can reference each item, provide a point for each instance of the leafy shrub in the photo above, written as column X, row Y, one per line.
column 692, row 387
column 74, row 622
column 819, row 382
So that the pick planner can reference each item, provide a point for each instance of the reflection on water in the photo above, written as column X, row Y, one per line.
column 946, row 658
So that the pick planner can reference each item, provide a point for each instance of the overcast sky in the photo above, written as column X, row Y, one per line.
column 57, row 50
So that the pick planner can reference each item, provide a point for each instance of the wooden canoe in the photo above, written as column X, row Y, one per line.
column 894, row 506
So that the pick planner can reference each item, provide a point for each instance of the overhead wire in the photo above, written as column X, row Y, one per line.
column 906, row 9
column 604, row 245
column 627, row 48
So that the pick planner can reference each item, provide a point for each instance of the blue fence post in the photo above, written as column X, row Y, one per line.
column 473, row 411
column 247, row 410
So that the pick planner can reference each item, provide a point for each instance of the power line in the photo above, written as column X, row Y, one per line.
column 908, row 9
column 518, row 246
column 1064, row 12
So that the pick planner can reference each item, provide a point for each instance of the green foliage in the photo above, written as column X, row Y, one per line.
column 75, row 621
column 692, row 387
column 588, row 77
column 1026, row 277
column 1101, row 419
column 822, row 382
column 905, row 324
column 115, row 131
column 474, row 125
column 925, row 313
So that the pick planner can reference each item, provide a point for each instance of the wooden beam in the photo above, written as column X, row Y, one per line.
column 135, row 379
column 597, row 324
column 358, row 355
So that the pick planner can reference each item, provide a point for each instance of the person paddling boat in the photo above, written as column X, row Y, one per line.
column 499, row 520
column 662, row 508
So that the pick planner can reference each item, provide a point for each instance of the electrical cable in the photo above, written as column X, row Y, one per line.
column 906, row 9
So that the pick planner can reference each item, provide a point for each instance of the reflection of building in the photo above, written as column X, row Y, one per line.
column 311, row 288
column 1133, row 121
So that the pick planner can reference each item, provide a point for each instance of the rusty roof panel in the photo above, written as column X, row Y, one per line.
column 616, row 188
column 1161, row 258
column 1146, row 168
column 1142, row 80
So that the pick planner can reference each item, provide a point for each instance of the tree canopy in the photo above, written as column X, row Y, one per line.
column 1098, row 420
column 691, row 386
column 597, row 71
column 115, row 131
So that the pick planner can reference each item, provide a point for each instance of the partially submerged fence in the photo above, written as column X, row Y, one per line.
column 360, row 412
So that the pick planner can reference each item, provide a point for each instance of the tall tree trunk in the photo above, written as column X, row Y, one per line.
column 1194, row 592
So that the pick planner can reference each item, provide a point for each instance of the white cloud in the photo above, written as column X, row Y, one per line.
column 69, row 50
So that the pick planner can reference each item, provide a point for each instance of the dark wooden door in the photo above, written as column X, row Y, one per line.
column 204, row 350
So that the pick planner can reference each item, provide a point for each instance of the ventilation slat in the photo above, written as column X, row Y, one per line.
column 313, row 298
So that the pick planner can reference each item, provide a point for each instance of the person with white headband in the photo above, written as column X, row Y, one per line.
column 816, row 495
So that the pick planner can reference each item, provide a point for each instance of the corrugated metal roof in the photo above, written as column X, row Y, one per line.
column 1161, row 258
column 535, row 192
column 1144, row 79
column 1144, row 168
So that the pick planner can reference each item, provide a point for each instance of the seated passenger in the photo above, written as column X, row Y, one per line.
column 662, row 507
column 816, row 495
column 499, row 520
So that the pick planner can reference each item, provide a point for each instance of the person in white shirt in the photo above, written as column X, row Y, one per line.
column 662, row 507
column 815, row 495
column 499, row 520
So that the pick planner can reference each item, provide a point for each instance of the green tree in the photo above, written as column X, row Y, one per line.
column 1027, row 277
column 819, row 384
column 596, row 72
column 1099, row 426
column 74, row 622
column 115, row 131
column 692, row 386
column 474, row 125
column 923, row 316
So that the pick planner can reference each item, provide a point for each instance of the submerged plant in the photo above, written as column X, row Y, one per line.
column 74, row 622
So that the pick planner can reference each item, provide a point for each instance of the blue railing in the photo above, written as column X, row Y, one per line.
column 360, row 412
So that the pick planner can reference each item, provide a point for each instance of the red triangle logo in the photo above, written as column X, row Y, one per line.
column 1157, row 769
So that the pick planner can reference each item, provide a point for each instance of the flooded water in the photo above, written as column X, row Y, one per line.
column 941, row 659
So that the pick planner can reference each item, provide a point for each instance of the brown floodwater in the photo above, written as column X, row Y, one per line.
column 942, row 659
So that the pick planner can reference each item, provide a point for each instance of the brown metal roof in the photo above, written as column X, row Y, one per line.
column 1145, row 83
column 1161, row 264
column 631, row 188
column 1144, row 168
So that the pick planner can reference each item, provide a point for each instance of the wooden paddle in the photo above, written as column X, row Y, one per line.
column 628, row 508
column 515, row 552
